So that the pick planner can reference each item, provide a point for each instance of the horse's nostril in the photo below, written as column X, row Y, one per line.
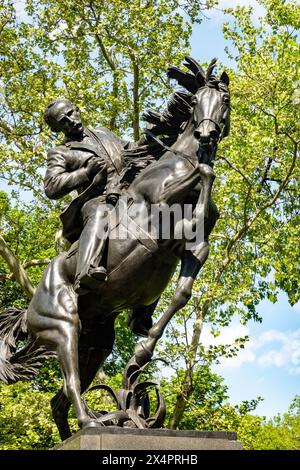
column 205, row 139
column 197, row 135
column 214, row 134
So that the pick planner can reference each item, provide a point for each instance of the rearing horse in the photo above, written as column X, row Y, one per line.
column 80, row 330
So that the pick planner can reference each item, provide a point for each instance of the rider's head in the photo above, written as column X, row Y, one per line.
column 62, row 116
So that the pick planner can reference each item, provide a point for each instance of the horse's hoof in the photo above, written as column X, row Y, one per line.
column 92, row 424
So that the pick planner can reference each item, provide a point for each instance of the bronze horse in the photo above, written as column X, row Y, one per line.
column 80, row 329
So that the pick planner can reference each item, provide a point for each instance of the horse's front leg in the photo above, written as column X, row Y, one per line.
column 178, row 188
column 190, row 267
column 191, row 262
column 207, row 178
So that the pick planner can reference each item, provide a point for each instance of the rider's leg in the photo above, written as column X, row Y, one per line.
column 91, row 246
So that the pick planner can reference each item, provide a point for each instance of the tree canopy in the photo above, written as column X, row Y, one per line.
column 110, row 57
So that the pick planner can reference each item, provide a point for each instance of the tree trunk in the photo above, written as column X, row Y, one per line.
column 113, row 119
column 178, row 412
column 136, row 103
column 187, row 385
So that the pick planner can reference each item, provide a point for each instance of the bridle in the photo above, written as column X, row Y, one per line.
column 221, row 128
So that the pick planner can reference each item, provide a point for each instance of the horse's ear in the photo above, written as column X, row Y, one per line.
column 224, row 78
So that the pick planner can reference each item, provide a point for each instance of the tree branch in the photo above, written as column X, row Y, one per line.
column 236, row 169
column 36, row 262
column 99, row 40
column 136, row 103
column 16, row 268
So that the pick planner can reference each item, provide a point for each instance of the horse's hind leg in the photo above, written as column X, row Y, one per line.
column 52, row 318
column 60, row 406
column 67, row 352
column 91, row 358
column 90, row 362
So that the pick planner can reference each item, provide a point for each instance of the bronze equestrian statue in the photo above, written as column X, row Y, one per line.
column 171, row 165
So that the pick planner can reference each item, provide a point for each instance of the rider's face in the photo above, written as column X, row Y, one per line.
column 68, row 119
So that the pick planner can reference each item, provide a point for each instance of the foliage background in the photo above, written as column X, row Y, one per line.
column 110, row 56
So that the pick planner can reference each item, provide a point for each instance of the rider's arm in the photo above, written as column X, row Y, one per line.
column 58, row 180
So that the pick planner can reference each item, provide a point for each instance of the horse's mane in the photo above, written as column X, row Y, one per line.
column 170, row 123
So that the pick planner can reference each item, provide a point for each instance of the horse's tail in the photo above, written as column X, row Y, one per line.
column 23, row 364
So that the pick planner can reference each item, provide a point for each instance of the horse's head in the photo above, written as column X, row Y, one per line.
column 210, row 101
column 211, row 113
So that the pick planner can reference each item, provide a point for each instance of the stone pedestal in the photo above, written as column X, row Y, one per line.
column 115, row 438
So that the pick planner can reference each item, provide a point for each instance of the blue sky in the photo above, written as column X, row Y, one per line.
column 270, row 364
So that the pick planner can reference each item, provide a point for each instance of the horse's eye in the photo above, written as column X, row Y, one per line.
column 193, row 100
column 226, row 99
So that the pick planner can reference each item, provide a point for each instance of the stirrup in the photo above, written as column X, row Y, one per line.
column 100, row 273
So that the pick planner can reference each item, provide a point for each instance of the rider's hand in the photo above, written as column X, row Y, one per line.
column 101, row 178
column 94, row 165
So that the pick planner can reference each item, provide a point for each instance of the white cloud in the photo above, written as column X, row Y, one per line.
column 245, row 356
column 287, row 352
column 272, row 335
column 272, row 348
column 272, row 358
column 227, row 336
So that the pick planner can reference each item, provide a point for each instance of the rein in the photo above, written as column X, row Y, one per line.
column 166, row 147
column 220, row 129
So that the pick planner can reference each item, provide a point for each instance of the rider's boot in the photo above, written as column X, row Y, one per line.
column 89, row 275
